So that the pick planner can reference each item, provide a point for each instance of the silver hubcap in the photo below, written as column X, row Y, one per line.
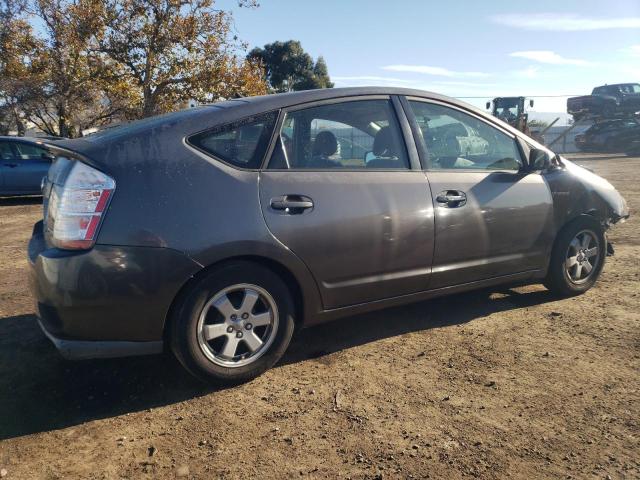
column 582, row 256
column 237, row 325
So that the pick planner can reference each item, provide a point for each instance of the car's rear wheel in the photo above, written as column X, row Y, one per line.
column 233, row 324
column 577, row 258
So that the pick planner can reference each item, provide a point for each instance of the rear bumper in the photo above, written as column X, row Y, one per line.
column 108, row 301
column 84, row 349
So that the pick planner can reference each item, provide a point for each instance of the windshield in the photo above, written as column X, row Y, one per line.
column 506, row 108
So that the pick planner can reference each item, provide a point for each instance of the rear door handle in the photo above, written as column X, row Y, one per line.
column 292, row 204
column 452, row 198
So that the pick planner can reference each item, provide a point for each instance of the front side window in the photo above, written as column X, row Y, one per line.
column 349, row 135
column 456, row 140
column 241, row 143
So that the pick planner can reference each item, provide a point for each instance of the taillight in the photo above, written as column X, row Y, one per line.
column 76, row 207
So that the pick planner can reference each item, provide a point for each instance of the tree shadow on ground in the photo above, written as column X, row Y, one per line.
column 41, row 391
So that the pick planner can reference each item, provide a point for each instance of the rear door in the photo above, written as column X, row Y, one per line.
column 492, row 218
column 343, row 193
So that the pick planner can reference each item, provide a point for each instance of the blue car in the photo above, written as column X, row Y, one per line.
column 24, row 162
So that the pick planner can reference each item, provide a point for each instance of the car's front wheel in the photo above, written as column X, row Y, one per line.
column 233, row 324
column 577, row 258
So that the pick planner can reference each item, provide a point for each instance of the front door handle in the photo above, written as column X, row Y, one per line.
column 292, row 204
column 452, row 198
column 11, row 165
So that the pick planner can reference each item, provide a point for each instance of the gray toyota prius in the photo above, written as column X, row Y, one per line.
column 216, row 231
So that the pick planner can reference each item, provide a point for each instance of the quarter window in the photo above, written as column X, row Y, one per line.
column 349, row 135
column 456, row 140
column 242, row 143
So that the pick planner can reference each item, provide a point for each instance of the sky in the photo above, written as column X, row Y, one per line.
column 472, row 48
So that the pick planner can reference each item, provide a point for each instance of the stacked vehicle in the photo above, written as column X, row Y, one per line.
column 615, row 113
column 612, row 136
column 607, row 101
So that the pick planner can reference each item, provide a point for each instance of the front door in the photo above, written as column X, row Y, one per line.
column 491, row 218
column 23, row 172
column 339, row 191
column 7, row 158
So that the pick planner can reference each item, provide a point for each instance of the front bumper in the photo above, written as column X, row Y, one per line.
column 108, row 301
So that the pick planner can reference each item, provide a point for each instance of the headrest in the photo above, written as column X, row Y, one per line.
column 325, row 144
column 452, row 145
column 384, row 145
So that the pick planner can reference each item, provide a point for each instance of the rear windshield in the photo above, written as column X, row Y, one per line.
column 242, row 143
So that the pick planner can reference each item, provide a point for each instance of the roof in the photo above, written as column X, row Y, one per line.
column 199, row 118
column 193, row 120
column 15, row 138
column 618, row 84
column 282, row 100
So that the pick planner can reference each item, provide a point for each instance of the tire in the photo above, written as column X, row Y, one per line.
column 208, row 309
column 564, row 280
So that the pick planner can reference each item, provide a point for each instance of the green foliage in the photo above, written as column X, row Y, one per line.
column 288, row 67
column 174, row 51
column 538, row 124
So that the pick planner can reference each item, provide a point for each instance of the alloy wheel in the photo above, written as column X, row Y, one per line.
column 582, row 256
column 237, row 325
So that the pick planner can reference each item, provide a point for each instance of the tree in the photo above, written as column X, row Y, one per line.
column 321, row 73
column 54, row 79
column 288, row 67
column 16, row 75
column 82, row 89
column 91, row 62
column 316, row 78
column 177, row 50
column 538, row 124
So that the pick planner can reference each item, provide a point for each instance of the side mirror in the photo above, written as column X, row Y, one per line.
column 531, row 103
column 539, row 160
column 488, row 105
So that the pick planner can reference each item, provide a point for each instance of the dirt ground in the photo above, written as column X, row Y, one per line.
column 511, row 383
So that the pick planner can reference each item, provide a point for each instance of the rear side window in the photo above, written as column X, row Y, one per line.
column 347, row 135
column 242, row 144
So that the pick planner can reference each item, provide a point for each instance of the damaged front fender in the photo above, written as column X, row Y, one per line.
column 578, row 191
